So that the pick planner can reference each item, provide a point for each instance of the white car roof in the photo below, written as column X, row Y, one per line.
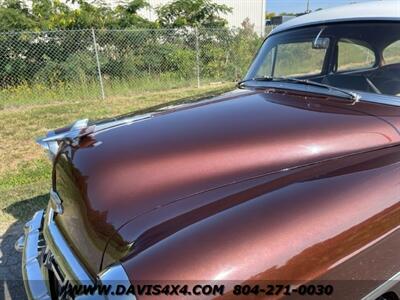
column 386, row 10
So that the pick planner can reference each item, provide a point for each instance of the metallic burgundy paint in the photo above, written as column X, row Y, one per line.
column 249, row 186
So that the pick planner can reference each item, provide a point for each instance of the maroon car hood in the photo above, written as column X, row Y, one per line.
column 135, row 169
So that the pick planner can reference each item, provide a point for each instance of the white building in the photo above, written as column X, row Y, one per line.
column 254, row 10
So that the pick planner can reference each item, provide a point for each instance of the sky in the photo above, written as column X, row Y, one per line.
column 295, row 6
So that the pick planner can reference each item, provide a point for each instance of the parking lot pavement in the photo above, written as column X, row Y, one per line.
column 11, row 284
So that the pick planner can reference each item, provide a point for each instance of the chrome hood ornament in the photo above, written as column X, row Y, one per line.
column 71, row 136
column 52, row 140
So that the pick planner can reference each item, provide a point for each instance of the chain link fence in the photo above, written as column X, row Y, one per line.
column 100, row 63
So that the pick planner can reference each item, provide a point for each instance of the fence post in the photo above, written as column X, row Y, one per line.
column 103, row 96
column 197, row 57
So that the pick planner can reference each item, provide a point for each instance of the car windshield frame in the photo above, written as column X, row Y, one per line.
column 312, row 34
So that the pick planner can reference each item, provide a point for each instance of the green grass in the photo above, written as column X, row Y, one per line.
column 19, row 203
column 26, row 173
column 48, row 93
column 24, row 168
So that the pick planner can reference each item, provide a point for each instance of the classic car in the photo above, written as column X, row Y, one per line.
column 293, row 177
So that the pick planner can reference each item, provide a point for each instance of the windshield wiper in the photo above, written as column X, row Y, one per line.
column 351, row 95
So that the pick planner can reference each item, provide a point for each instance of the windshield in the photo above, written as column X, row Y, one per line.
column 361, row 57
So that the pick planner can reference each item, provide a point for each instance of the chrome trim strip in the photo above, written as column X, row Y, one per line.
column 104, row 126
column 115, row 275
column 56, row 202
column 383, row 288
column 35, row 286
column 318, row 36
column 63, row 255
column 19, row 244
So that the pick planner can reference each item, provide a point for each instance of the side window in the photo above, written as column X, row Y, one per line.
column 292, row 60
column 353, row 56
column 298, row 59
column 391, row 54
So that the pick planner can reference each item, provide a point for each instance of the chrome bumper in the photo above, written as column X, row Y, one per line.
column 34, row 282
column 44, row 248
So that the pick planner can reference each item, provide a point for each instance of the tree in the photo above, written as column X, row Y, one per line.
column 270, row 15
column 195, row 13
column 12, row 19
column 126, row 15
column 14, row 15
column 56, row 15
